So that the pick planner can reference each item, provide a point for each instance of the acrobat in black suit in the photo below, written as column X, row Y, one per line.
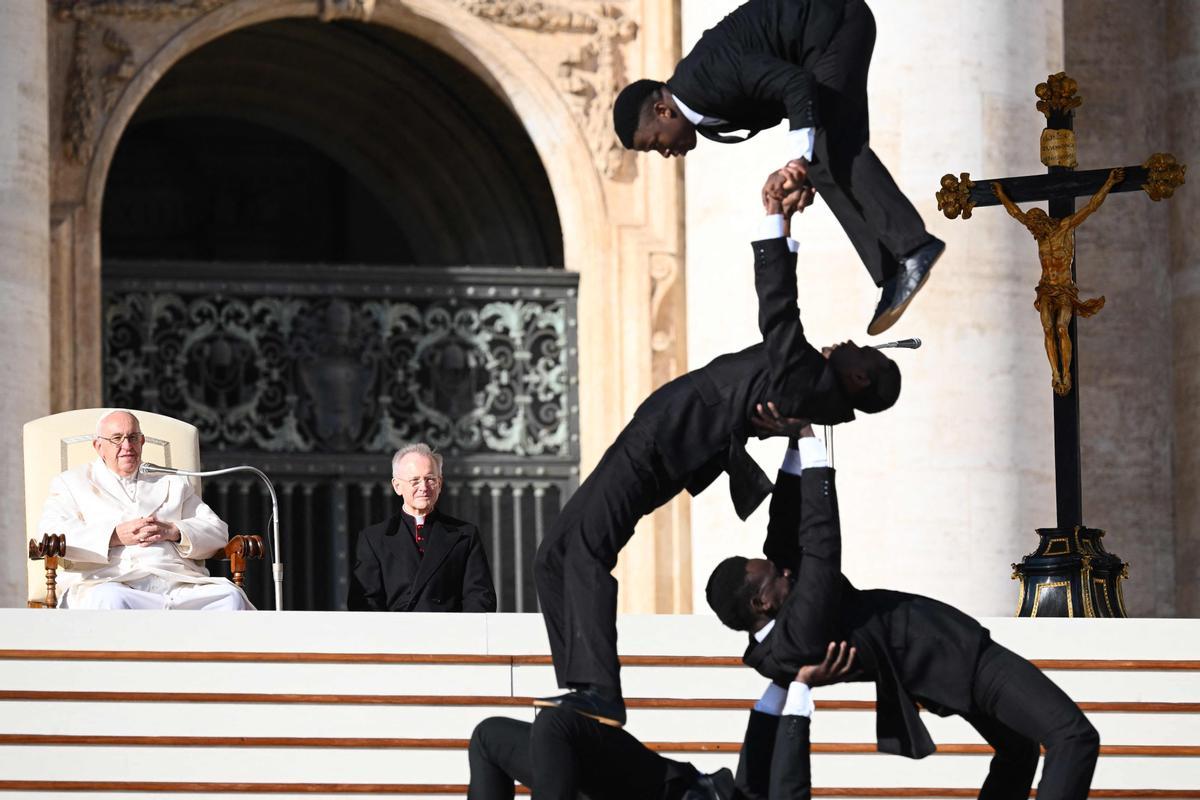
column 805, row 61
column 562, row 755
column 915, row 649
column 683, row 436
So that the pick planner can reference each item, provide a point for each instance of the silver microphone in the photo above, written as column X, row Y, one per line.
column 277, row 567
column 907, row 344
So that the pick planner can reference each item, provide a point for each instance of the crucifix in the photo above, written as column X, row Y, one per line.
column 1069, row 574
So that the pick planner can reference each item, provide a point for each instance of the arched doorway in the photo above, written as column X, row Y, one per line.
column 320, row 241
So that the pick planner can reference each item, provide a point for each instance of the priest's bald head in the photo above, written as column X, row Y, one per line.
column 119, row 441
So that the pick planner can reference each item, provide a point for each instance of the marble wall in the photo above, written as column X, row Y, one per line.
column 24, row 266
column 1138, row 360
column 1182, row 120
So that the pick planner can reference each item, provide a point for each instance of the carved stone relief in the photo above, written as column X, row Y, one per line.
column 591, row 76
column 96, row 42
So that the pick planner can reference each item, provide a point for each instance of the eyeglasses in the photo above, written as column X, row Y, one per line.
column 119, row 439
column 428, row 481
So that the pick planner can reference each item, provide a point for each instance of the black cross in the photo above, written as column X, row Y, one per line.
column 1060, row 186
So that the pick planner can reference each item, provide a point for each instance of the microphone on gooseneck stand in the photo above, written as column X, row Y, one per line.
column 907, row 344
column 277, row 566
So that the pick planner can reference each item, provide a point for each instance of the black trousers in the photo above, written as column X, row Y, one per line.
column 573, row 566
column 561, row 755
column 1016, row 708
column 880, row 221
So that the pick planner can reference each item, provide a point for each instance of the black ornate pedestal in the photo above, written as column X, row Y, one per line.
column 1070, row 574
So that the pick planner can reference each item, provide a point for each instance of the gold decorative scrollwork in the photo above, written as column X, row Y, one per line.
column 1085, row 583
column 1057, row 94
column 1165, row 175
column 591, row 77
column 954, row 197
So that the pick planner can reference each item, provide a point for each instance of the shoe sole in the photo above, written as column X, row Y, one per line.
column 612, row 723
column 892, row 315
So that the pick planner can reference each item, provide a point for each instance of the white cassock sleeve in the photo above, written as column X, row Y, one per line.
column 202, row 534
column 87, row 538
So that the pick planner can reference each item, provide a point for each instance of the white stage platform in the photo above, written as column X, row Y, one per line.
column 187, row 704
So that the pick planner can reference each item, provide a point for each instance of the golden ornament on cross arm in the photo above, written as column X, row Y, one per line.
column 1165, row 175
column 955, row 196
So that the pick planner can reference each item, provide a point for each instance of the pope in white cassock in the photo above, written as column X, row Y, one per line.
column 139, row 541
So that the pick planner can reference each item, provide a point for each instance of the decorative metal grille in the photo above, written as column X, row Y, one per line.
column 316, row 374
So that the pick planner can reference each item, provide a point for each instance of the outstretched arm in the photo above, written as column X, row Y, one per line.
column 783, row 528
column 1012, row 208
column 793, row 364
column 1114, row 177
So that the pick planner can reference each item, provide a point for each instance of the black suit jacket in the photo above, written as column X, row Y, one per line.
column 916, row 649
column 389, row 574
column 700, row 421
column 754, row 67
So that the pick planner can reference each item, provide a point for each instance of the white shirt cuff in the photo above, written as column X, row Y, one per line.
column 799, row 701
column 793, row 245
column 800, row 144
column 773, row 700
column 811, row 454
column 771, row 227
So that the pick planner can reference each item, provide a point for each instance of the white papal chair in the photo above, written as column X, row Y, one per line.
column 59, row 442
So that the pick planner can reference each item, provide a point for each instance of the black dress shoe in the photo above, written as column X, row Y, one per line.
column 589, row 703
column 901, row 288
column 717, row 786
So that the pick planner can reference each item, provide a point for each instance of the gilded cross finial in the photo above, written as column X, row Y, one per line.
column 1057, row 94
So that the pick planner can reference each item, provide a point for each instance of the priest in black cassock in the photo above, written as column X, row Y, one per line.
column 805, row 61
column 420, row 559
column 683, row 436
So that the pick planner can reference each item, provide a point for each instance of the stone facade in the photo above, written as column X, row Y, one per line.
column 557, row 65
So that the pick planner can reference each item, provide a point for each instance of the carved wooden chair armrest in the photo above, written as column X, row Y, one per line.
column 239, row 549
column 52, row 547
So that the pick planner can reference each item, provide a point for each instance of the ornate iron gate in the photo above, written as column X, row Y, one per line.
column 316, row 374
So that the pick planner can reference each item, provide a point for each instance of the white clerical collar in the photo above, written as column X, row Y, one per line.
column 695, row 117
column 762, row 632
column 129, row 485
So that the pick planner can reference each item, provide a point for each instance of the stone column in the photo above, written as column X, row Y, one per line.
column 24, row 268
column 1182, row 115
column 1123, row 252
